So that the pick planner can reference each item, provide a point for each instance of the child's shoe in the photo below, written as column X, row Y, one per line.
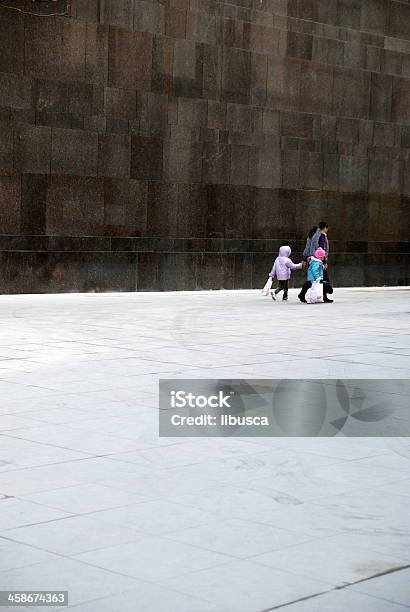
column 273, row 296
column 285, row 298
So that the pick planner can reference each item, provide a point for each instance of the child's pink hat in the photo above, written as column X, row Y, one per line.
column 320, row 253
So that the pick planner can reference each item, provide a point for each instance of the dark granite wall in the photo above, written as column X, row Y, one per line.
column 150, row 145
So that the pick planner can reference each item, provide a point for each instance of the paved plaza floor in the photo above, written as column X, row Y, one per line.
column 92, row 501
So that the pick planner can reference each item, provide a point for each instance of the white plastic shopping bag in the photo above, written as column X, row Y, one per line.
column 314, row 295
column 267, row 287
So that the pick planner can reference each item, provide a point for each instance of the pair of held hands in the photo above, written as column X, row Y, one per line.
column 304, row 265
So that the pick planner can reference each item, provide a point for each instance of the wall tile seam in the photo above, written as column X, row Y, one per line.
column 249, row 182
column 297, row 152
column 251, row 52
column 345, row 41
column 238, row 8
column 323, row 23
column 268, row 241
column 321, row 143
column 315, row 62
column 232, row 254
column 220, row 243
column 338, row 35
column 368, row 193
column 347, row 67
column 371, row 247
column 250, row 105
column 278, row 29
column 279, row 54
column 342, row 29
column 347, row 30
column 286, row 31
column 108, row 239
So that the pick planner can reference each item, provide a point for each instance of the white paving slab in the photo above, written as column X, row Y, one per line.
column 246, row 586
column 238, row 538
column 349, row 563
column 156, row 517
column 154, row 559
column 93, row 501
column 18, row 453
column 14, row 555
column 342, row 600
column 19, row 513
column 377, row 510
column 149, row 597
column 83, row 582
column 72, row 535
column 393, row 587
column 85, row 498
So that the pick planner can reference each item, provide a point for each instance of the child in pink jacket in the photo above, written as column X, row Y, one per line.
column 282, row 267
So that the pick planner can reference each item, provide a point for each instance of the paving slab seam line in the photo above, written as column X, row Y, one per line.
column 339, row 588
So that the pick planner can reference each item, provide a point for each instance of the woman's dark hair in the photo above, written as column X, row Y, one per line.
column 323, row 224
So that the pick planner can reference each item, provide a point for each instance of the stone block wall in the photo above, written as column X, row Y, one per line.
column 150, row 145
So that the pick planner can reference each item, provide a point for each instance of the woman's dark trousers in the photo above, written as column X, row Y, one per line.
column 308, row 284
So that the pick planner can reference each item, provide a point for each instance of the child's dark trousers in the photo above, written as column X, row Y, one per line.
column 283, row 286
